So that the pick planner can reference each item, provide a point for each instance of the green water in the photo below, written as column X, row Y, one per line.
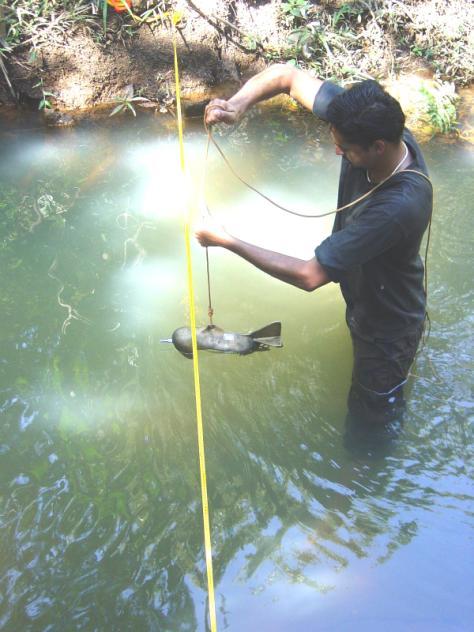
column 100, row 495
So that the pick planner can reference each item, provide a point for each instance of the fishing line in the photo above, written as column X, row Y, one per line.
column 212, row 140
column 197, row 387
column 210, row 310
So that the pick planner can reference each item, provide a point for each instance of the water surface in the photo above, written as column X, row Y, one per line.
column 100, row 498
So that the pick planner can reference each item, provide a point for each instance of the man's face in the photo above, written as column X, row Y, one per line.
column 355, row 154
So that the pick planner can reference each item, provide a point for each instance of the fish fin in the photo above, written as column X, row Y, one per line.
column 269, row 331
column 212, row 328
column 273, row 341
column 269, row 335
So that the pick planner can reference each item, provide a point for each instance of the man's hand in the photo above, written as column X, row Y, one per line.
column 220, row 111
column 211, row 233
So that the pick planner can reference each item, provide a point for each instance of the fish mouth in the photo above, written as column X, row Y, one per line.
column 166, row 340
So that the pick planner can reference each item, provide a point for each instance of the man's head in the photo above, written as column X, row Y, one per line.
column 364, row 119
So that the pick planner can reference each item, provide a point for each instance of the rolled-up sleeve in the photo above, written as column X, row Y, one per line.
column 326, row 258
column 324, row 96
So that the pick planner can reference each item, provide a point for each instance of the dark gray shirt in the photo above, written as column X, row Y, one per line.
column 373, row 252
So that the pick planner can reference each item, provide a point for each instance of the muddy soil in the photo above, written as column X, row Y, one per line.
column 84, row 72
column 220, row 45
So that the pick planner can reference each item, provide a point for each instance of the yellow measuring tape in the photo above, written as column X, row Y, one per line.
column 197, row 387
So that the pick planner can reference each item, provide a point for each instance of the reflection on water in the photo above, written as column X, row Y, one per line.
column 101, row 515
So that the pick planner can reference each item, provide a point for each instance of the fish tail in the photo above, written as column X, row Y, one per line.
column 270, row 335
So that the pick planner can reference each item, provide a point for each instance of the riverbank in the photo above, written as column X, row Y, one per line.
column 75, row 60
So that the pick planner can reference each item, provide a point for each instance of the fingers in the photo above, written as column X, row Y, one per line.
column 204, row 237
column 200, row 237
column 220, row 111
column 210, row 233
column 202, row 240
column 200, row 232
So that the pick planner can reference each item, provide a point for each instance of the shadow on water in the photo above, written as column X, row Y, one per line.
column 101, row 512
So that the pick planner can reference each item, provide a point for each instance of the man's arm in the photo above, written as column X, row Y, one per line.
column 306, row 275
column 277, row 79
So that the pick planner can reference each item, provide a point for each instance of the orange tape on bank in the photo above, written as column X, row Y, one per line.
column 120, row 5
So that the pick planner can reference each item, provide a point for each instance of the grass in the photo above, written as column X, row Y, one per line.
column 370, row 38
column 37, row 23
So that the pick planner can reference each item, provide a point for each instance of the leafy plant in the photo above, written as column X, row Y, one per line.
column 345, row 11
column 308, row 38
column 45, row 103
column 441, row 106
column 421, row 51
column 125, row 103
column 296, row 8
column 251, row 42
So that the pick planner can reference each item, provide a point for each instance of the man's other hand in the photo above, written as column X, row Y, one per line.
column 210, row 233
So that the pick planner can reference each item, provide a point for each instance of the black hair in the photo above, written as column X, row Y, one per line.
column 365, row 113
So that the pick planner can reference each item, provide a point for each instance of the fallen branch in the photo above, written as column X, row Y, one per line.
column 7, row 78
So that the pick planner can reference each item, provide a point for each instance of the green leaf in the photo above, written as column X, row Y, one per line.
column 105, row 9
column 44, row 104
column 117, row 109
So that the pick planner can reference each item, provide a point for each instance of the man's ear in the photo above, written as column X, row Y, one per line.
column 380, row 147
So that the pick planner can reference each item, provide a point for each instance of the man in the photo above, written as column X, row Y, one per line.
column 373, row 252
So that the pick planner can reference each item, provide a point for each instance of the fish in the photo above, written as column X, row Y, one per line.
column 213, row 338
